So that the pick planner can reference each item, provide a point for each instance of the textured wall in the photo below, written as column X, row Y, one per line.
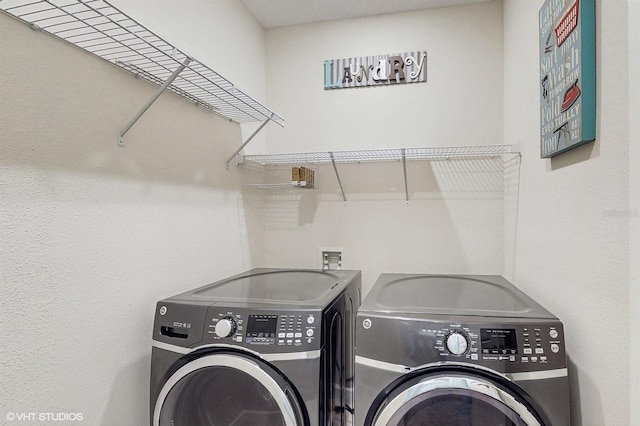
column 571, row 248
column 92, row 235
column 634, row 203
column 455, row 220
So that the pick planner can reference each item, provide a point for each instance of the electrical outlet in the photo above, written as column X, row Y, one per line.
column 331, row 258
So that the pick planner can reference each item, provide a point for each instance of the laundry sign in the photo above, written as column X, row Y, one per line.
column 378, row 70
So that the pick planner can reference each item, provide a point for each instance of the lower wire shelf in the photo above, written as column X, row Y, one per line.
column 276, row 186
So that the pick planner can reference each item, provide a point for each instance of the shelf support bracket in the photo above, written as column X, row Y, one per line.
column 335, row 169
column 146, row 106
column 264, row 123
column 404, row 170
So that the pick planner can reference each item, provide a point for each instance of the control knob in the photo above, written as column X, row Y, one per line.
column 456, row 343
column 225, row 327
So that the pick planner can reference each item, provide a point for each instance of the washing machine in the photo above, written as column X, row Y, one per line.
column 458, row 350
column 265, row 347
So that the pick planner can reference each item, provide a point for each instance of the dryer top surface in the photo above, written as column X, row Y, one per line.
column 282, row 286
column 460, row 295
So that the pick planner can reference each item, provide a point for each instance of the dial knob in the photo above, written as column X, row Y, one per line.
column 225, row 327
column 456, row 343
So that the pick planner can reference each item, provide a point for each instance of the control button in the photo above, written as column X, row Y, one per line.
column 553, row 333
column 310, row 332
column 239, row 339
column 512, row 358
column 289, row 342
column 457, row 344
column 297, row 341
column 555, row 348
column 474, row 357
column 539, row 351
column 534, row 359
column 525, row 359
column 311, row 320
column 528, row 351
column 309, row 340
column 281, row 342
column 543, row 359
column 282, row 335
column 289, row 335
column 297, row 335
column 225, row 327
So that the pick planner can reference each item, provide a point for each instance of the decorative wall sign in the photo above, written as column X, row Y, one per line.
column 567, row 75
column 377, row 70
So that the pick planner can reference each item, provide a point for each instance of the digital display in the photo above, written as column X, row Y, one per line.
column 498, row 341
column 262, row 325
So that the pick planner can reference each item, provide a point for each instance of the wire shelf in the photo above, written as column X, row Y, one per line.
column 100, row 28
column 276, row 186
column 398, row 154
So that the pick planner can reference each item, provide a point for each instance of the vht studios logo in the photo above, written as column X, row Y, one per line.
column 375, row 70
column 44, row 417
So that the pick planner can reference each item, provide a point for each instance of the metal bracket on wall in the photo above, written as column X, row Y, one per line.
column 335, row 169
column 146, row 106
column 404, row 170
column 237, row 151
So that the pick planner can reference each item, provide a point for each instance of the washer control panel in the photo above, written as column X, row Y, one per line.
column 539, row 346
column 262, row 330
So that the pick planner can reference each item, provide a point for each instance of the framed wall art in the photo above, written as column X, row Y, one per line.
column 567, row 75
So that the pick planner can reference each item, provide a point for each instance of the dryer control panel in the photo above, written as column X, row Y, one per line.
column 263, row 330
column 532, row 346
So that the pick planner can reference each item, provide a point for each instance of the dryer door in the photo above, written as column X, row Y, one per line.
column 452, row 399
column 227, row 389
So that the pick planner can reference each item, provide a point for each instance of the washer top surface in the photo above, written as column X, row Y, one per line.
column 463, row 295
column 285, row 286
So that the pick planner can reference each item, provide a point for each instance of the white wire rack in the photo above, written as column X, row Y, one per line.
column 100, row 28
column 380, row 155
column 276, row 186
column 397, row 154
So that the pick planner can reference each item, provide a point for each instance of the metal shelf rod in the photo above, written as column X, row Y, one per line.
column 264, row 123
column 152, row 100
column 335, row 169
column 404, row 170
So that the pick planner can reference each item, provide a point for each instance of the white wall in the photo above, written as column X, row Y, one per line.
column 92, row 235
column 459, row 105
column 634, row 204
column 454, row 222
column 571, row 246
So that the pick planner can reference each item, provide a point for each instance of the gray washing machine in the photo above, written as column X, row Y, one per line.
column 458, row 350
column 265, row 347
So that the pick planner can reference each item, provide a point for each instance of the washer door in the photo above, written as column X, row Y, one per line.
column 226, row 389
column 452, row 400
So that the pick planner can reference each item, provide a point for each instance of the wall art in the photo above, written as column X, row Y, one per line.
column 567, row 75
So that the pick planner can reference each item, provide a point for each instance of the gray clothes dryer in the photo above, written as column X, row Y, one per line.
column 458, row 350
column 265, row 347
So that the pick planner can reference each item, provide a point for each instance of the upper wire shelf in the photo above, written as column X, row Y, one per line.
column 398, row 154
column 100, row 28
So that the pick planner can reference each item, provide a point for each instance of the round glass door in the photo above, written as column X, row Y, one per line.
column 224, row 390
column 454, row 401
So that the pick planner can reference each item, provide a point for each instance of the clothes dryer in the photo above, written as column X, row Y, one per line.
column 265, row 347
column 458, row 350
